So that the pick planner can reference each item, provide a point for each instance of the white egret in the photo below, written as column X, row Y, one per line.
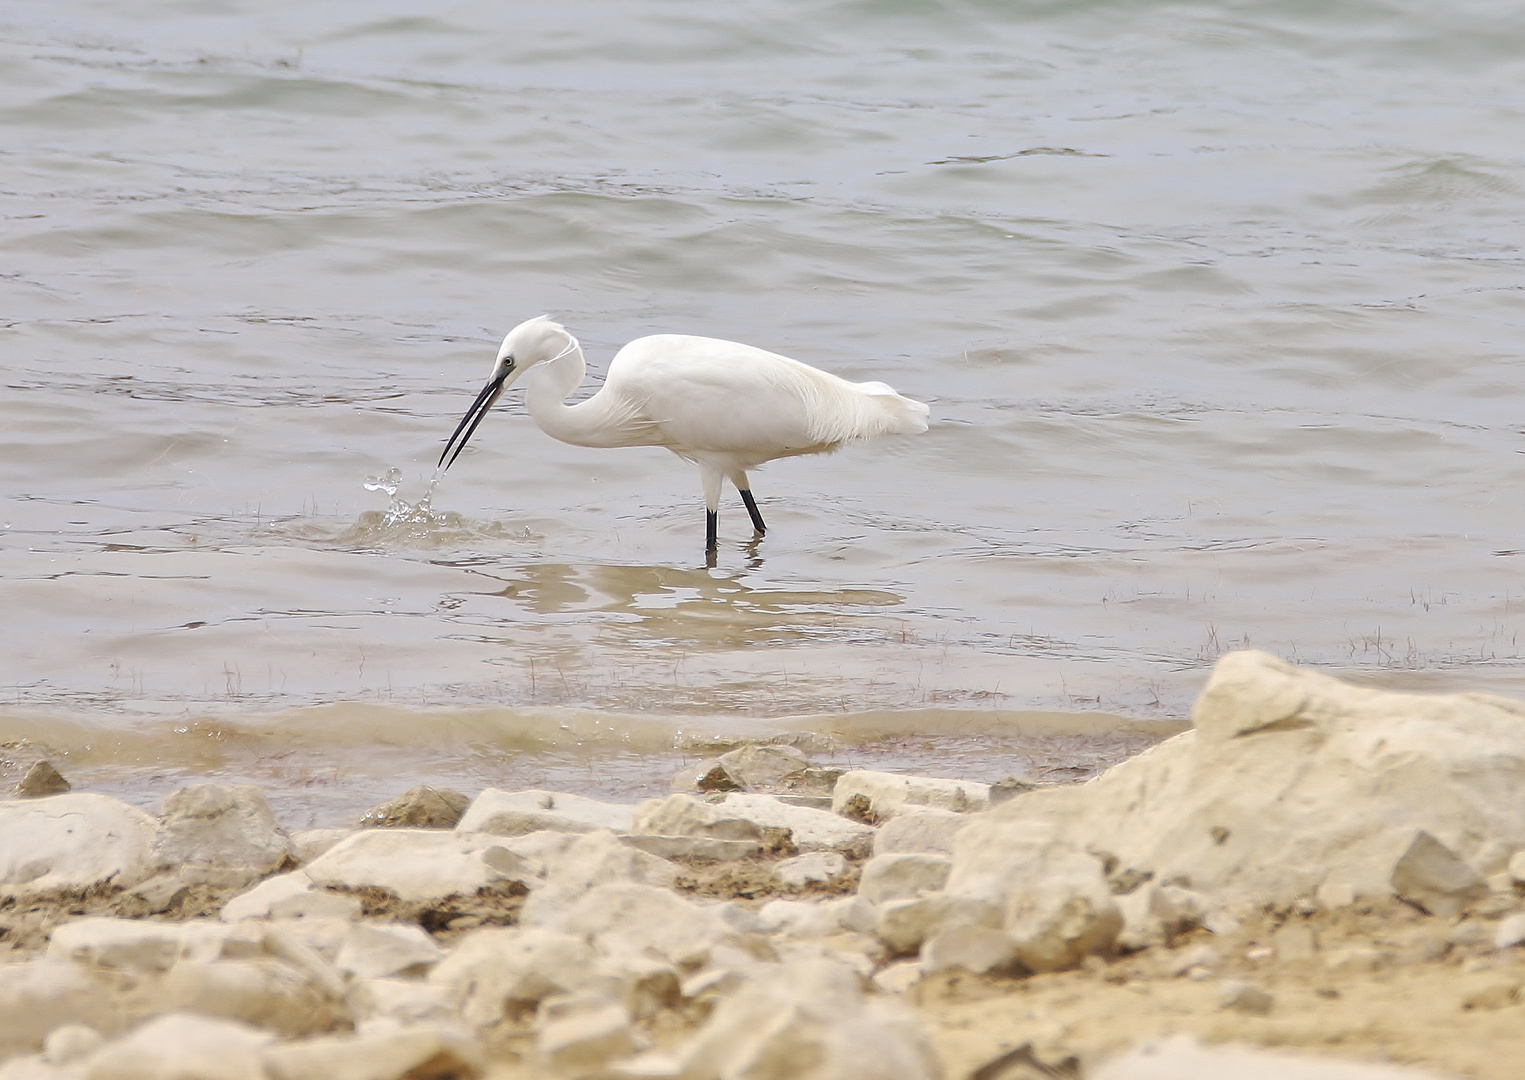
column 724, row 406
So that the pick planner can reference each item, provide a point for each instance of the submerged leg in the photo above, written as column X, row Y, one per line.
column 743, row 486
column 757, row 521
column 709, row 478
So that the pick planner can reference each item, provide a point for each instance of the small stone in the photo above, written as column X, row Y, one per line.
column 421, row 807
column 898, row 978
column 517, row 813
column 708, row 775
column 1510, row 932
column 377, row 950
column 41, row 779
column 1434, row 877
column 1009, row 788
column 1201, row 956
column 585, row 1040
column 1516, row 867
column 137, row 945
column 768, row 768
column 904, row 924
column 881, row 795
column 220, row 835
column 493, row 972
column 684, row 815
column 1243, row 997
column 68, row 1043
column 1295, row 941
column 161, row 892
column 819, row 867
column 418, row 865
column 1356, row 960
column 1495, row 995
column 1333, row 895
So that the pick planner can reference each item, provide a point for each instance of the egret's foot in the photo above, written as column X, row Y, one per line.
column 757, row 521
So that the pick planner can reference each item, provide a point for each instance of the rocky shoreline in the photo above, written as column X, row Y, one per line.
column 1317, row 881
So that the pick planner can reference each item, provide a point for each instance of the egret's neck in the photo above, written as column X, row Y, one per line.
column 545, row 395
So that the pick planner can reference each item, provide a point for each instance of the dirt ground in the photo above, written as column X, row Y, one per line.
column 1381, row 982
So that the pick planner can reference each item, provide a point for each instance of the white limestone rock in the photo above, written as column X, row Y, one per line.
column 182, row 1047
column 272, row 994
column 904, row 924
column 41, row 995
column 1294, row 783
column 514, row 813
column 585, row 1040
column 308, row 844
column 902, row 877
column 694, row 847
column 378, row 950
column 925, row 831
column 1515, row 868
column 73, row 841
column 817, row 868
column 137, row 945
column 593, row 859
column 255, row 903
column 402, row 1001
column 419, row 865
column 808, row 1021
column 628, row 917
column 810, row 829
column 388, row 1053
column 494, row 972
column 976, row 949
column 220, row 835
column 1154, row 914
column 879, row 796
column 798, row 918
column 69, row 1043
column 684, row 815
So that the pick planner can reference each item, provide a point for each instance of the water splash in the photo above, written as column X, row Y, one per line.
column 403, row 519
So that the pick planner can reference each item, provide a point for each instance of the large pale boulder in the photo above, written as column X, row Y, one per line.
column 926, row 831
column 513, row 813
column 902, row 877
column 1291, row 780
column 379, row 950
column 73, row 841
column 221, row 835
column 420, row 865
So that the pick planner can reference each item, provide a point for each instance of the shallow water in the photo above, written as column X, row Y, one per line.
column 1216, row 307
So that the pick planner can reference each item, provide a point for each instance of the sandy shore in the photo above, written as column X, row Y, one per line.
column 1313, row 870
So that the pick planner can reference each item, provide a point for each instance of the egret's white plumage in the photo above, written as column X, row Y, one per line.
column 726, row 407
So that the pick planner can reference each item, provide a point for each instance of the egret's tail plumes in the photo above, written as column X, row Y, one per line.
column 861, row 411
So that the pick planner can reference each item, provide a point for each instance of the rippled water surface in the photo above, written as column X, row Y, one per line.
column 1217, row 308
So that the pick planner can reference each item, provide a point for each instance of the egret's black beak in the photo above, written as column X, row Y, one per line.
column 472, row 418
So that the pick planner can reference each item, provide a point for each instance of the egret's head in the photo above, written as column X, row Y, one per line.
column 531, row 342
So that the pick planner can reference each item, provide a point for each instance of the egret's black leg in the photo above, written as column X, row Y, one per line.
column 711, row 528
column 757, row 521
